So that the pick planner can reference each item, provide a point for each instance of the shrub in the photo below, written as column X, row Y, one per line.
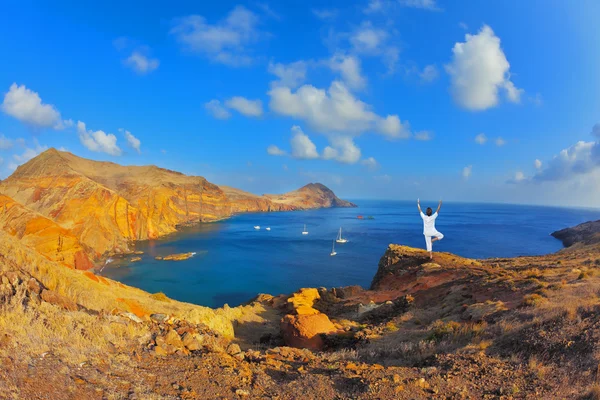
column 534, row 300
column 160, row 296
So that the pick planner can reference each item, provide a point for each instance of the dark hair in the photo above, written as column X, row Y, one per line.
column 429, row 211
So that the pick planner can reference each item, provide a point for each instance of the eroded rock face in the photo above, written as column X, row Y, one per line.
column 397, row 261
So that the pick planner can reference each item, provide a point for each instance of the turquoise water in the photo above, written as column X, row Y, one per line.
column 234, row 262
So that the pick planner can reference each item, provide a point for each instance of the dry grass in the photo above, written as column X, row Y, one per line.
column 74, row 337
column 537, row 367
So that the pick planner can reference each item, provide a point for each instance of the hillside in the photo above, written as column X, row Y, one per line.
column 582, row 234
column 451, row 327
column 108, row 207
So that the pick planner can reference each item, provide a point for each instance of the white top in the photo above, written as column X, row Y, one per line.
column 429, row 224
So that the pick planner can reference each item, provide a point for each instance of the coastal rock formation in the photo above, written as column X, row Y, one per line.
column 42, row 234
column 313, row 195
column 108, row 207
column 582, row 234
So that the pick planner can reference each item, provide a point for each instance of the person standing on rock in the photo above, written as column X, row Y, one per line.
column 429, row 226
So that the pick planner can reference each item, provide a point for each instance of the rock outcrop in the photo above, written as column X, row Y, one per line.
column 582, row 234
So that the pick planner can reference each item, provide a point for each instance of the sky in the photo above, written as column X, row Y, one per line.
column 494, row 101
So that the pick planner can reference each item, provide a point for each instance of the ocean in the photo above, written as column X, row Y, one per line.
column 234, row 262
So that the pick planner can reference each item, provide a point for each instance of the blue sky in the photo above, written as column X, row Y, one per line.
column 375, row 98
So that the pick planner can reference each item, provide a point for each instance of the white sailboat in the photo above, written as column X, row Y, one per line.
column 340, row 239
column 333, row 252
column 268, row 228
column 256, row 227
column 305, row 232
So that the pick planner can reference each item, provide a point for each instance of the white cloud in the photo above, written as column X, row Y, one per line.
column 325, row 13
column 368, row 40
column 579, row 159
column 98, row 141
column 537, row 163
column 249, row 108
column 519, row 176
column 481, row 138
column 141, row 63
column 479, row 70
column 224, row 42
column 424, row 135
column 275, row 151
column 26, row 106
column 302, row 146
column 500, row 142
column 466, row 172
column 349, row 68
column 342, row 149
column 132, row 141
column 370, row 163
column 290, row 75
column 423, row 4
column 334, row 111
column 5, row 143
column 215, row 108
column 429, row 73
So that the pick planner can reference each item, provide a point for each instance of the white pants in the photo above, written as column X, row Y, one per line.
column 436, row 234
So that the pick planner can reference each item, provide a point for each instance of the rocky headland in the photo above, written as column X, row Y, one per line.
column 79, row 211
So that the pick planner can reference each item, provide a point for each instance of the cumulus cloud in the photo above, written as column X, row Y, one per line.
column 370, row 163
column 132, row 141
column 302, row 146
column 500, row 142
column 423, row 135
column 141, row 63
column 249, row 108
column 215, row 108
column 479, row 70
column 430, row 5
column 334, row 111
column 290, row 75
column 537, row 163
column 581, row 158
column 224, row 42
column 275, row 151
column 342, row 149
column 98, row 141
column 481, row 138
column 27, row 106
column 348, row 67
column 466, row 172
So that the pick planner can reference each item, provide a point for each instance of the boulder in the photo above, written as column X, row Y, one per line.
column 192, row 341
column 34, row 286
column 172, row 338
column 52, row 297
column 347, row 291
column 304, row 331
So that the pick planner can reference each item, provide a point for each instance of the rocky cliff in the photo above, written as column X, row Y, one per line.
column 582, row 234
column 106, row 207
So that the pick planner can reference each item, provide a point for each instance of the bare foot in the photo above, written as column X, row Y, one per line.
column 434, row 240
column 431, row 256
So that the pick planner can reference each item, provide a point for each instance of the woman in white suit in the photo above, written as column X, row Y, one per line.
column 431, row 234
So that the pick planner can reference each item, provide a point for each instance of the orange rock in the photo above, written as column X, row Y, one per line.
column 304, row 331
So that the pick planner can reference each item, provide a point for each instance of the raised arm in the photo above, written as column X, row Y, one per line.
column 419, row 205
column 439, row 206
